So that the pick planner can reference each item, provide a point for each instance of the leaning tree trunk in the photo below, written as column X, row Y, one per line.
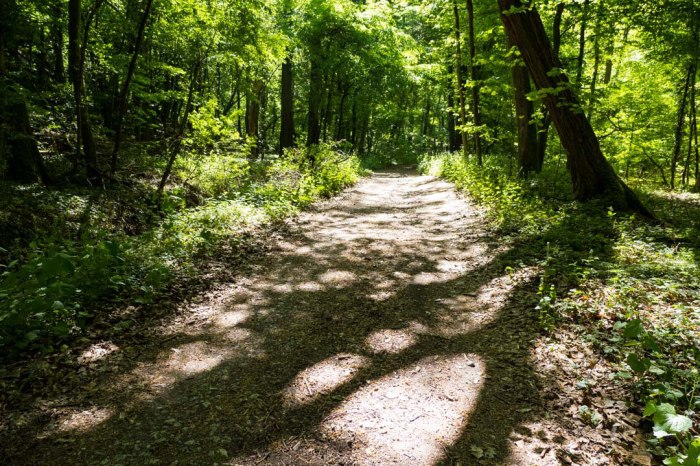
column 287, row 104
column 528, row 155
column 124, row 94
column 591, row 174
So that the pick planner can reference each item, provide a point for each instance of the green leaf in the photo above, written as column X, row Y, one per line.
column 638, row 364
column 677, row 423
column 693, row 458
column 634, row 329
column 649, row 409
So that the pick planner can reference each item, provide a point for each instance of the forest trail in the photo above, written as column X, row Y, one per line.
column 381, row 329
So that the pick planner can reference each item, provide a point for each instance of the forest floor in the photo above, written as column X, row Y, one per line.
column 385, row 326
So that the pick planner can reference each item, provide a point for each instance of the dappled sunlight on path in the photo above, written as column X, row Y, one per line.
column 377, row 332
column 409, row 416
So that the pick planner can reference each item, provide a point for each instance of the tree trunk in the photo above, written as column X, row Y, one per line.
column 591, row 174
column 313, row 122
column 581, row 43
column 475, row 86
column 328, row 80
column 528, row 156
column 124, row 94
column 339, row 130
column 426, row 117
column 18, row 147
column 678, row 137
column 353, row 120
column 287, row 105
column 452, row 140
column 596, row 60
column 543, row 131
column 76, row 56
column 460, row 83
column 182, row 128
column 252, row 116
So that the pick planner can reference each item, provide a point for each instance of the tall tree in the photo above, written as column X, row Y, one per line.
column 460, row 83
column 287, row 104
column 591, row 174
column 77, row 45
column 528, row 156
column 124, row 94
column 474, row 84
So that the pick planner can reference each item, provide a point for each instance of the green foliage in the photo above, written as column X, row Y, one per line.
column 631, row 286
column 49, row 293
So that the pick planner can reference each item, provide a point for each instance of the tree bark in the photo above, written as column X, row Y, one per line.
column 339, row 129
column 460, row 83
column 287, row 105
column 76, row 56
column 59, row 72
column 596, row 60
column 475, row 85
column 528, row 156
column 182, row 128
column 591, row 174
column 252, row 115
column 124, row 94
column 313, row 134
column 678, row 136
column 453, row 141
column 581, row 43
column 543, row 132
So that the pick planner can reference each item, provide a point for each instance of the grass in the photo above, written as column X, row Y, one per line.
column 630, row 287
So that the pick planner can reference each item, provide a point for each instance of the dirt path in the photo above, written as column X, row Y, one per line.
column 383, row 329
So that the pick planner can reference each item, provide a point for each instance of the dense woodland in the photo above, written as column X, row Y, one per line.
column 141, row 138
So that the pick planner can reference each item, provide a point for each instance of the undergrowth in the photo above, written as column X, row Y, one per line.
column 630, row 287
column 53, row 276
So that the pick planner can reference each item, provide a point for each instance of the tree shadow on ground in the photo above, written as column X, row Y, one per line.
column 364, row 305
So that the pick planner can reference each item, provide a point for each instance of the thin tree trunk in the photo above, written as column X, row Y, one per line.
column 460, row 85
column 182, row 128
column 341, row 110
column 426, row 117
column 678, row 137
column 452, row 140
column 313, row 134
column 475, row 86
column 528, row 155
column 581, row 43
column 591, row 174
column 252, row 116
column 353, row 120
column 543, row 132
column 596, row 60
column 287, row 105
column 327, row 112
column 124, row 94
column 76, row 57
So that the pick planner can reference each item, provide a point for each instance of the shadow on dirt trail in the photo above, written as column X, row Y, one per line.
column 383, row 330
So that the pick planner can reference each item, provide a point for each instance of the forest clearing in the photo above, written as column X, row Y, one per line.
column 349, row 232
